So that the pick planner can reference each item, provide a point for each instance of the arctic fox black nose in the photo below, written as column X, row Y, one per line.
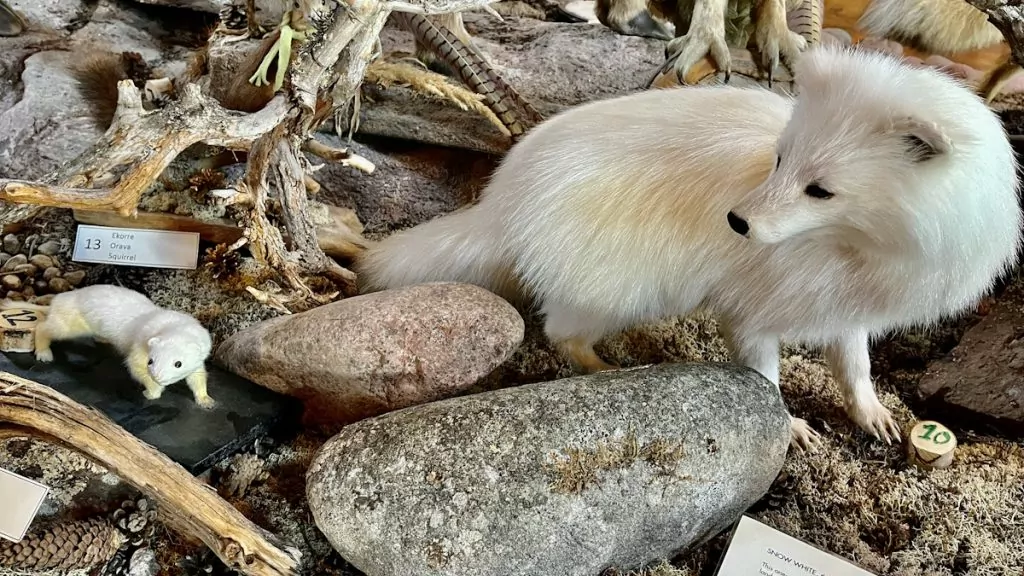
column 739, row 225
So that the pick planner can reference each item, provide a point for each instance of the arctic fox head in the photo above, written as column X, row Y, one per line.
column 870, row 148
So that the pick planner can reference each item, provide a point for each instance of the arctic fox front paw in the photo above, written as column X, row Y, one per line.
column 874, row 419
column 153, row 393
column 776, row 41
column 683, row 52
column 44, row 355
column 802, row 436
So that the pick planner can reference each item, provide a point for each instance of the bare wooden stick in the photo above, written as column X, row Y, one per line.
column 344, row 157
column 186, row 504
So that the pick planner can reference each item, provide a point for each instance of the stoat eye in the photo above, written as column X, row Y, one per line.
column 150, row 361
column 177, row 364
column 778, row 162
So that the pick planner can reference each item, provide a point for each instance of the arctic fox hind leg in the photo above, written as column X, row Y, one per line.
column 850, row 363
column 761, row 352
column 574, row 335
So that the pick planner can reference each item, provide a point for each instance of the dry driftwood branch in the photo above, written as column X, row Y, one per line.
column 137, row 148
column 186, row 504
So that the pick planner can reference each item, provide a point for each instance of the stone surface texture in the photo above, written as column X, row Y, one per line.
column 370, row 354
column 984, row 374
column 480, row 485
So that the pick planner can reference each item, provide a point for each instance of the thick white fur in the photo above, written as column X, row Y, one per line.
column 938, row 26
column 133, row 324
column 614, row 213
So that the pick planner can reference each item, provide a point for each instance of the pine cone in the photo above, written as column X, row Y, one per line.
column 71, row 545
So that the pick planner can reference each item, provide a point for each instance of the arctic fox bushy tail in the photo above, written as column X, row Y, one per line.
column 463, row 246
column 938, row 26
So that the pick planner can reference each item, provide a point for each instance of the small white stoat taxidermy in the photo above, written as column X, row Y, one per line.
column 160, row 346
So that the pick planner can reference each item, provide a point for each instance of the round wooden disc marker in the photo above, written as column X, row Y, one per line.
column 931, row 445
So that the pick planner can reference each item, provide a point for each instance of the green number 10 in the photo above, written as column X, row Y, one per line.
column 940, row 438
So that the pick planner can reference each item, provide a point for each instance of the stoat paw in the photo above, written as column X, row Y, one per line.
column 206, row 402
column 44, row 355
column 685, row 51
column 802, row 436
column 875, row 419
column 776, row 42
column 152, row 394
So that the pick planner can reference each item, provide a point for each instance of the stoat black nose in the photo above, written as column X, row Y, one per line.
column 739, row 225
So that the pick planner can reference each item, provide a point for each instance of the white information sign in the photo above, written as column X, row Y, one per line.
column 20, row 499
column 760, row 550
column 136, row 247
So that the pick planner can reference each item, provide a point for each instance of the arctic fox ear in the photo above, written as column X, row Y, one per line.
column 923, row 140
column 153, row 341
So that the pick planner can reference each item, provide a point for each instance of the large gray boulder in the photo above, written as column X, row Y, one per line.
column 562, row 478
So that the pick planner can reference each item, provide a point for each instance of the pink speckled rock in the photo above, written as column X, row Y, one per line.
column 374, row 353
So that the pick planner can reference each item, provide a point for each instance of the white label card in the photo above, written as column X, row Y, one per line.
column 20, row 499
column 136, row 247
column 760, row 550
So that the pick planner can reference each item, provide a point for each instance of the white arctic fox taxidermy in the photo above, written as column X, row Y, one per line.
column 882, row 197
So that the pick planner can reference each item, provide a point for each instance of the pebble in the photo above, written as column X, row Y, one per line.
column 49, row 248
column 11, row 244
column 11, row 282
column 13, row 262
column 41, row 261
column 75, row 278
column 26, row 269
column 58, row 285
column 50, row 273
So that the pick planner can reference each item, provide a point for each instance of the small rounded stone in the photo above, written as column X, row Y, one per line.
column 58, row 285
column 11, row 282
column 50, row 247
column 26, row 269
column 51, row 273
column 75, row 278
column 41, row 261
column 13, row 262
column 11, row 243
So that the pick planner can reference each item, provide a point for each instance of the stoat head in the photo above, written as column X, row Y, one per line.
column 173, row 356
column 870, row 155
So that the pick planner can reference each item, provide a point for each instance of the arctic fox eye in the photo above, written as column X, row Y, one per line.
column 778, row 162
column 150, row 361
column 177, row 364
column 815, row 191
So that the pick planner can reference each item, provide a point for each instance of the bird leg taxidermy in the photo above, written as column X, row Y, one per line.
column 307, row 69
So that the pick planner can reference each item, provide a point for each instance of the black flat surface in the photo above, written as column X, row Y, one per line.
column 94, row 374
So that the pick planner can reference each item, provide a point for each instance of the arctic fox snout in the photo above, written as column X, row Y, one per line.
column 739, row 225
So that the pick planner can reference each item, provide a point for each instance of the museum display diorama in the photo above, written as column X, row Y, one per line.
column 511, row 288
